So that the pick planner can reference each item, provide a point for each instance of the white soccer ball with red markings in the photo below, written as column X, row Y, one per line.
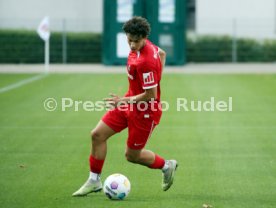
column 116, row 186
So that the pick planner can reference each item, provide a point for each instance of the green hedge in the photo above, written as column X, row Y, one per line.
column 27, row 47
column 209, row 49
column 219, row 49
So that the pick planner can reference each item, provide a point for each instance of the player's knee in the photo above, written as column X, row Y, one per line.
column 95, row 135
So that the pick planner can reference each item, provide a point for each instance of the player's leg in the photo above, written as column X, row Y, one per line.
column 99, row 136
column 144, row 157
column 135, row 152
column 154, row 161
column 112, row 122
column 139, row 131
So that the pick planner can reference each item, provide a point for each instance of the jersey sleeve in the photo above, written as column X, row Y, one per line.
column 148, row 75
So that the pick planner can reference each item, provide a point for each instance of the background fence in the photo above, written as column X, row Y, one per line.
column 70, row 45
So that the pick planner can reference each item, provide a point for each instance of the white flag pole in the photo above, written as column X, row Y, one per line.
column 47, row 56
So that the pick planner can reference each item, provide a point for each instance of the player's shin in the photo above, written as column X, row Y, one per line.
column 96, row 166
column 158, row 163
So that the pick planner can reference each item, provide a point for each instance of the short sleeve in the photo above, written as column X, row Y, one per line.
column 148, row 76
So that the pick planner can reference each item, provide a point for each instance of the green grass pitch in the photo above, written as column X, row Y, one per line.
column 226, row 159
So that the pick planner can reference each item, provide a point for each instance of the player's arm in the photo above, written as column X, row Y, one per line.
column 162, row 55
column 148, row 78
column 147, row 95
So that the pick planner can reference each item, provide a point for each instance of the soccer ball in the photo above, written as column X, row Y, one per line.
column 116, row 186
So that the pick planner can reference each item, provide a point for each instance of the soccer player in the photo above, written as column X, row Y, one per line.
column 141, row 113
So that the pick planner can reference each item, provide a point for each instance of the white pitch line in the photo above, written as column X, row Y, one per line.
column 21, row 83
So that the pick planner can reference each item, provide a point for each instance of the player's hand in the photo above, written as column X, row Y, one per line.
column 114, row 100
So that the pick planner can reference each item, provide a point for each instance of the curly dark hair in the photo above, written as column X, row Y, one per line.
column 137, row 26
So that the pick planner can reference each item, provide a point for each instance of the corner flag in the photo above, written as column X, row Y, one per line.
column 43, row 31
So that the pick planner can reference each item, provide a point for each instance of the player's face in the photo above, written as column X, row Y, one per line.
column 135, row 42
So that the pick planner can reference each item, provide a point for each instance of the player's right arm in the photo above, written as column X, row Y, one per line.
column 147, row 95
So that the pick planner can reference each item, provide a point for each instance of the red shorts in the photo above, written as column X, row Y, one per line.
column 140, row 126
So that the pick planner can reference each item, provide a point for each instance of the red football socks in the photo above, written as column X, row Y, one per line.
column 95, row 165
column 158, row 163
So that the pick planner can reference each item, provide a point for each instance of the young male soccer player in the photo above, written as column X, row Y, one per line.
column 144, row 70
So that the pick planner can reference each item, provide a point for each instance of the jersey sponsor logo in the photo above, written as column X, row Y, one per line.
column 148, row 78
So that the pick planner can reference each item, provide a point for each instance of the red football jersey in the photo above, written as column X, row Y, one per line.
column 144, row 70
